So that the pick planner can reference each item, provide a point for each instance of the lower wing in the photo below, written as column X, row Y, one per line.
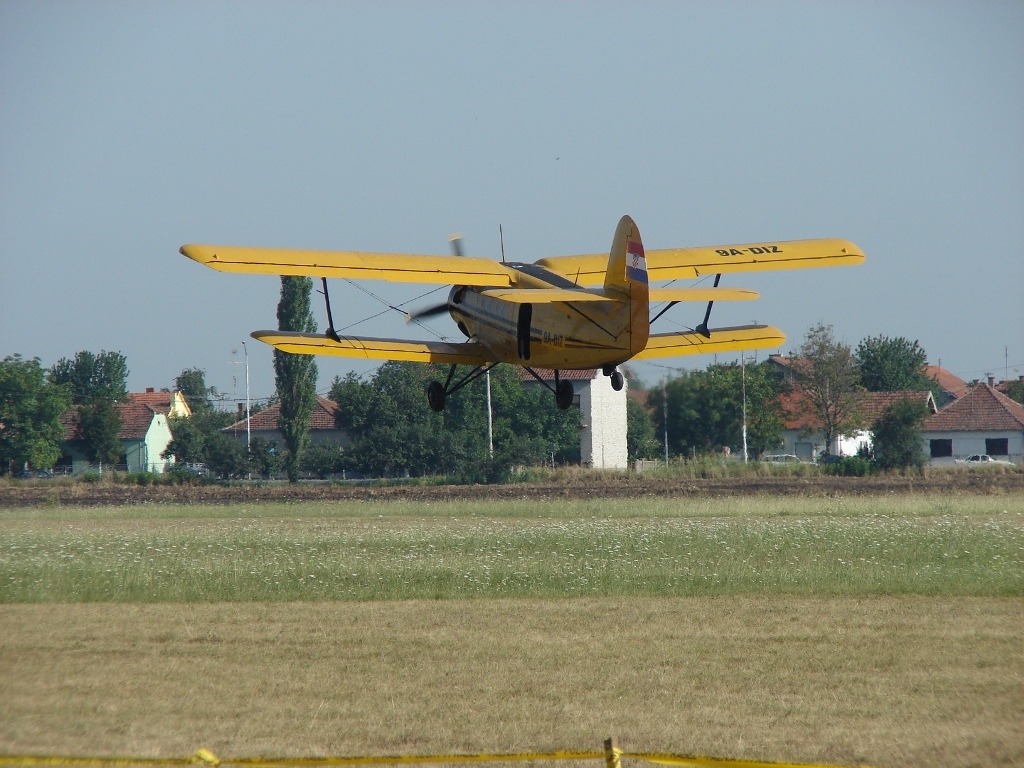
column 467, row 353
column 721, row 340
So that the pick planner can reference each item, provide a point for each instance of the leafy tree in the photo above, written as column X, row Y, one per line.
column 641, row 442
column 99, row 425
column 225, row 456
column 324, row 459
column 705, row 409
column 826, row 372
column 264, row 460
column 192, row 384
column 30, row 411
column 394, row 432
column 897, row 435
column 892, row 365
column 93, row 378
column 97, row 384
column 198, row 439
column 1015, row 389
column 296, row 375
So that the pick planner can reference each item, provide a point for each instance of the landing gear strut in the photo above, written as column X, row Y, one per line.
column 437, row 393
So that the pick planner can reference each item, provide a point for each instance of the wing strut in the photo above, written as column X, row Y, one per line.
column 702, row 329
column 330, row 333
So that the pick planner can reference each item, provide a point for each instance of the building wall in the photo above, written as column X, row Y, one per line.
column 141, row 455
column 275, row 436
column 809, row 447
column 968, row 443
column 147, row 453
column 603, row 429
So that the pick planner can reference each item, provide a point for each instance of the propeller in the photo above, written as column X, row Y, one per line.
column 437, row 309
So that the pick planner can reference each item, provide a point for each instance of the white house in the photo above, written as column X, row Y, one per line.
column 323, row 426
column 144, row 435
column 982, row 420
column 602, row 416
column 802, row 435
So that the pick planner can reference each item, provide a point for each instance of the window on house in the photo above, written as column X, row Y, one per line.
column 941, row 448
column 999, row 446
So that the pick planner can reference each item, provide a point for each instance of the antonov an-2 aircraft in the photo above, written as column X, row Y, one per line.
column 560, row 313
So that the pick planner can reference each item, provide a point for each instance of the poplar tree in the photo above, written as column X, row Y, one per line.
column 296, row 375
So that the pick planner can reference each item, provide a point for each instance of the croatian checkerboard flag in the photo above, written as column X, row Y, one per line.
column 636, row 263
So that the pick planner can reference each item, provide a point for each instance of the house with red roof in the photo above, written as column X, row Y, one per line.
column 981, row 420
column 144, row 433
column 323, row 425
column 802, row 435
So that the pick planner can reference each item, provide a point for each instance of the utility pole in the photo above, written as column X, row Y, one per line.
column 248, row 431
column 490, row 424
column 743, row 378
column 664, row 413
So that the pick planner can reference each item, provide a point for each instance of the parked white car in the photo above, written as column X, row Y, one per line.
column 983, row 460
column 781, row 458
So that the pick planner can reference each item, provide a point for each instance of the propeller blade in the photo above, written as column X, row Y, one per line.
column 456, row 241
column 437, row 309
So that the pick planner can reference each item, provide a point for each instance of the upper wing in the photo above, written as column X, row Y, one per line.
column 722, row 340
column 676, row 263
column 401, row 267
column 466, row 353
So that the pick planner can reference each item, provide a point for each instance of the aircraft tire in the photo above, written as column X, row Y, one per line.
column 617, row 381
column 436, row 396
column 563, row 395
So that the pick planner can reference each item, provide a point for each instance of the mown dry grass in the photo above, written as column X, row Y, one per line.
column 887, row 631
column 888, row 681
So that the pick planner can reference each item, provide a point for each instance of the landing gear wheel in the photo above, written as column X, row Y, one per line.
column 617, row 381
column 563, row 394
column 436, row 396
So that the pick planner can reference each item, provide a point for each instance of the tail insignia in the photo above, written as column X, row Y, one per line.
column 636, row 263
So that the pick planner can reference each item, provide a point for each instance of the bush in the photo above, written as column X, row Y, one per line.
column 849, row 466
column 180, row 474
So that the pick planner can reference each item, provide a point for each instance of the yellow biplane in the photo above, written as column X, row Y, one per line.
column 560, row 313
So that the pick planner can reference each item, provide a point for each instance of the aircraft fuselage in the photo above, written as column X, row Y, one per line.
column 591, row 334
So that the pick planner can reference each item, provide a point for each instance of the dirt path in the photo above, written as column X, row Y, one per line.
column 81, row 494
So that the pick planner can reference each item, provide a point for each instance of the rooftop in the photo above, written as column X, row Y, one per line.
column 981, row 409
column 324, row 416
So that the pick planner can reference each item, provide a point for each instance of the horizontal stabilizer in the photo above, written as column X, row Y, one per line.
column 399, row 267
column 551, row 295
column 721, row 340
column 466, row 353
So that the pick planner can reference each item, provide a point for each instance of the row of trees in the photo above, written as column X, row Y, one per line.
column 33, row 400
column 703, row 410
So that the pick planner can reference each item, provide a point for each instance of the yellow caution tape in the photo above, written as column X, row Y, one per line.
column 205, row 757
column 702, row 761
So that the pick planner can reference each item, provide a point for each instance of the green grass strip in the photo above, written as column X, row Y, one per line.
column 444, row 556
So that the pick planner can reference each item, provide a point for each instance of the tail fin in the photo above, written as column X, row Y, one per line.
column 627, row 273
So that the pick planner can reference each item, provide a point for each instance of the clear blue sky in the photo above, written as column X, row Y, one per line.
column 128, row 129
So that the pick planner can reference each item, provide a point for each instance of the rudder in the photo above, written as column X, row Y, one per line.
column 627, row 273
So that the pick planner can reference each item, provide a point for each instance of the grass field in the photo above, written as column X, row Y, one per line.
column 885, row 630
